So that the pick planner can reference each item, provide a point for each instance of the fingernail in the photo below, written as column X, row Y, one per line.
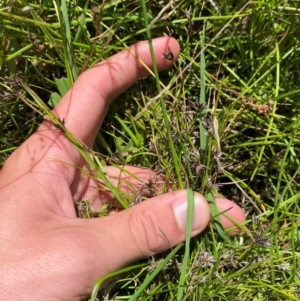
column 180, row 212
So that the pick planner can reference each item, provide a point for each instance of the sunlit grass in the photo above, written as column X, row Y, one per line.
column 223, row 120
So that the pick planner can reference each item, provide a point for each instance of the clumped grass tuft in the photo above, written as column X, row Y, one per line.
column 231, row 110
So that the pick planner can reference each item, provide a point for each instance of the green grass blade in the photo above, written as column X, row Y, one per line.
column 203, row 135
column 162, row 103
column 110, row 275
column 216, row 216
column 101, row 174
column 189, row 225
column 81, row 23
column 151, row 276
column 62, row 13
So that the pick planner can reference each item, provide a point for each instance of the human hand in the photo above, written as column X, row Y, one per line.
column 47, row 253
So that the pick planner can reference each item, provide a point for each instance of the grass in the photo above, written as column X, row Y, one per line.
column 231, row 111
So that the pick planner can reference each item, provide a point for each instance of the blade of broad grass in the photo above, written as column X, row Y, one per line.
column 103, row 144
column 151, row 276
column 8, row 16
column 54, row 99
column 8, row 150
column 81, row 23
column 287, row 296
column 188, row 230
column 63, row 86
column 190, row 182
column 19, row 52
column 289, row 184
column 216, row 216
column 202, row 92
column 136, row 138
column 279, row 195
column 119, row 272
column 287, row 95
column 63, row 17
column 162, row 103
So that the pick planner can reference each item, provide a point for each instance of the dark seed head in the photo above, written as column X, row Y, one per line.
column 169, row 56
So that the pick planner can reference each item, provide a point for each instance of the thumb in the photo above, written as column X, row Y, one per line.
column 146, row 229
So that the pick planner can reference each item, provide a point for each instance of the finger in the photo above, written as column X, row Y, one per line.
column 146, row 229
column 136, row 183
column 132, row 179
column 234, row 211
column 83, row 108
column 141, row 231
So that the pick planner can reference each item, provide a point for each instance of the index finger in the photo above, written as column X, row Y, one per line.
column 84, row 107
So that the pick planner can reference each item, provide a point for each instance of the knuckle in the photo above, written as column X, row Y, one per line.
column 145, row 228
